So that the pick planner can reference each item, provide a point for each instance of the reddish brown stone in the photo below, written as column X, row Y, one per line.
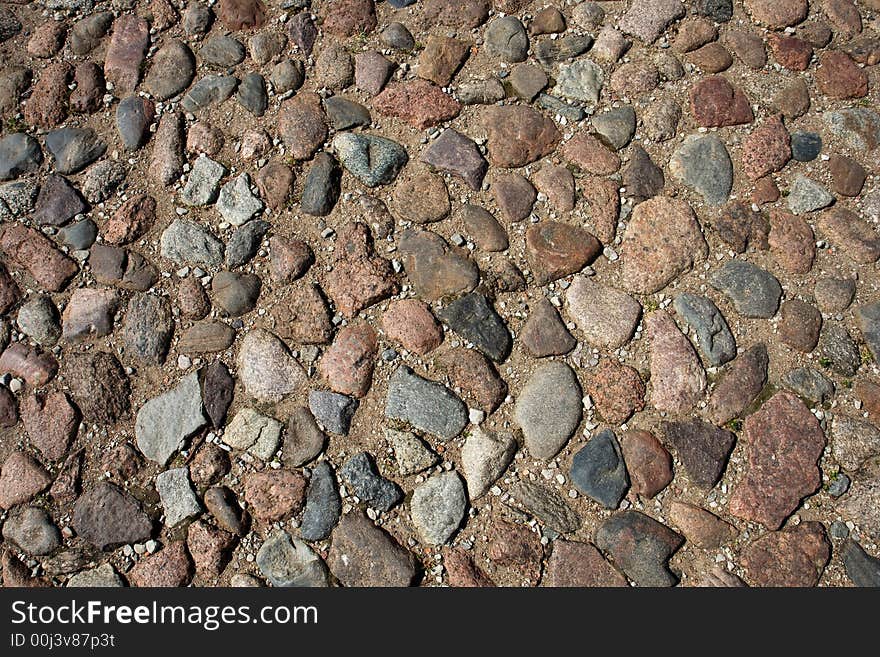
column 648, row 463
column 421, row 199
column 778, row 13
column 792, row 242
column 418, row 102
column 765, row 191
column 847, row 175
column 591, row 155
column 122, row 463
column 662, row 241
column 712, row 58
column 210, row 549
column 275, row 180
column 411, row 323
column 748, row 47
column 715, row 103
column 30, row 249
column 766, row 149
column 463, row 13
column 169, row 567
column 21, row 477
column 35, row 367
column 17, row 575
column 192, row 299
column 471, row 371
column 603, row 204
column 461, row 572
column 302, row 315
column 435, row 269
column 850, row 234
column 784, row 442
column 347, row 365
column 634, row 79
column 241, row 14
column 617, row 390
column 47, row 106
column 791, row 52
column 518, row 135
column 345, row 18
column 693, row 33
column 359, row 278
column 8, row 408
column 66, row 487
column 703, row 529
column 799, row 325
column 555, row 250
column 739, row 385
column 88, row 97
column 701, row 447
column 125, row 54
column 544, row 333
column 441, row 59
column 51, row 422
column 579, row 565
column 557, row 184
column 868, row 392
column 9, row 291
column 517, row 547
column 133, row 218
column 289, row 259
column 302, row 125
column 514, row 195
column 844, row 15
column 47, row 39
column 740, row 227
column 795, row 556
column 838, row 76
column 275, row 494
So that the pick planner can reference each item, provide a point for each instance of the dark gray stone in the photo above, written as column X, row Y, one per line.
column 323, row 504
column 332, row 410
column 861, row 568
column 73, row 149
column 709, row 329
column 476, row 321
column 424, row 404
column 364, row 480
column 245, row 242
column 222, row 50
column 506, row 38
column 703, row 164
column 869, row 323
column 640, row 546
column 345, row 114
column 599, row 472
column 80, row 235
column 322, row 186
column 372, row 160
column 754, row 292
column 148, row 327
column 57, row 203
column 252, row 94
column 805, row 146
column 235, row 293
column 107, row 516
column 210, row 90
column 133, row 118
column 809, row 384
column 616, row 126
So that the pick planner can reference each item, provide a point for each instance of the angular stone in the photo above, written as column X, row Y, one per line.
column 274, row 495
column 435, row 269
column 22, row 477
column 484, row 458
column 288, row 562
column 544, row 333
column 418, row 102
column 547, row 505
column 177, row 496
column 703, row 164
column 473, row 373
column 677, row 377
column 579, row 565
column 640, row 546
column 164, row 422
column 783, row 442
column 715, row 103
column 475, row 320
column 795, row 556
column 253, row 432
column 854, row 236
column 362, row 554
column 646, row 19
column 456, row 154
column 266, row 369
column 648, row 463
column 441, row 59
column 125, row 54
column 30, row 249
column 107, row 516
column 99, row 386
column 518, row 135
column 359, row 278
column 438, row 507
column 323, row 504
column 304, row 439
column 598, row 470
column 739, row 386
column 424, row 404
column 347, row 365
